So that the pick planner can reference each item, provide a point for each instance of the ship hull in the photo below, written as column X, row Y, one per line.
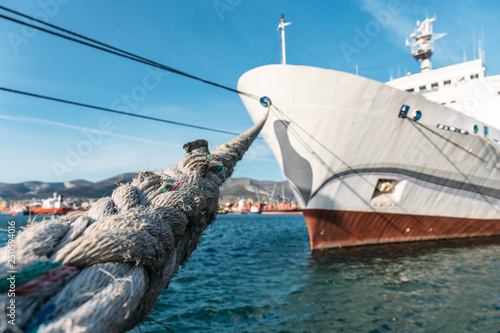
column 336, row 229
column 365, row 168
column 49, row 211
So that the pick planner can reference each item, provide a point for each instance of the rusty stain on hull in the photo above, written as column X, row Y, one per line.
column 336, row 228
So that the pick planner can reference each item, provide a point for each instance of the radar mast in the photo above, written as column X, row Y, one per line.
column 422, row 44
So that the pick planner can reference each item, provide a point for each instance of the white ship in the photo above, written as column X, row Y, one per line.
column 415, row 158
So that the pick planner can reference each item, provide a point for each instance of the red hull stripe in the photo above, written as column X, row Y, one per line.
column 334, row 228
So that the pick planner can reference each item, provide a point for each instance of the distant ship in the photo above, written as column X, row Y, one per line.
column 50, row 206
column 248, row 207
column 416, row 158
column 280, row 208
column 17, row 209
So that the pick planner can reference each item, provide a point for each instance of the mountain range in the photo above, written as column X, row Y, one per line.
column 232, row 189
column 76, row 189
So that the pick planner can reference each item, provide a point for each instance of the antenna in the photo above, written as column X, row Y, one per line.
column 474, row 45
column 281, row 26
column 483, row 57
column 479, row 51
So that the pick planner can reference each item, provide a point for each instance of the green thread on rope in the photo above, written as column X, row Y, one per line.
column 217, row 169
column 166, row 188
column 209, row 157
column 28, row 274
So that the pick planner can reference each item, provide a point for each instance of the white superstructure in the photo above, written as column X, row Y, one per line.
column 464, row 87
column 54, row 202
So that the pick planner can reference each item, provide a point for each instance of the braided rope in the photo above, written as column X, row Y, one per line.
column 120, row 254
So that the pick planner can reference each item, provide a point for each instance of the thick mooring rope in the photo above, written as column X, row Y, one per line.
column 102, row 271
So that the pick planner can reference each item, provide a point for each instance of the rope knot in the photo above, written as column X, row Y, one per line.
column 196, row 147
column 198, row 159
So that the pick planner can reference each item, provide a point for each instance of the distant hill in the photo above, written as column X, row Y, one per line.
column 98, row 189
column 245, row 188
column 75, row 189
column 232, row 189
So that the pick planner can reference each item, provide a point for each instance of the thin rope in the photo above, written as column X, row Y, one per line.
column 346, row 70
column 312, row 152
column 115, row 111
column 477, row 190
column 71, row 32
column 450, row 141
column 271, row 55
column 310, row 55
column 116, row 51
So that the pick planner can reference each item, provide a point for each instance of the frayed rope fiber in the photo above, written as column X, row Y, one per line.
column 102, row 271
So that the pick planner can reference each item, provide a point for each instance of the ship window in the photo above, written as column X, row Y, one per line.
column 422, row 88
column 474, row 76
column 447, row 82
column 413, row 90
column 452, row 129
column 434, row 85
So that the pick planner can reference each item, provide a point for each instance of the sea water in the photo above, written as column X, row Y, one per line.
column 255, row 273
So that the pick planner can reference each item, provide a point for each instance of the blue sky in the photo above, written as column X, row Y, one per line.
column 218, row 40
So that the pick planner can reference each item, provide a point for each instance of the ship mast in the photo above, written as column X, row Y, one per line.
column 423, row 44
column 281, row 27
